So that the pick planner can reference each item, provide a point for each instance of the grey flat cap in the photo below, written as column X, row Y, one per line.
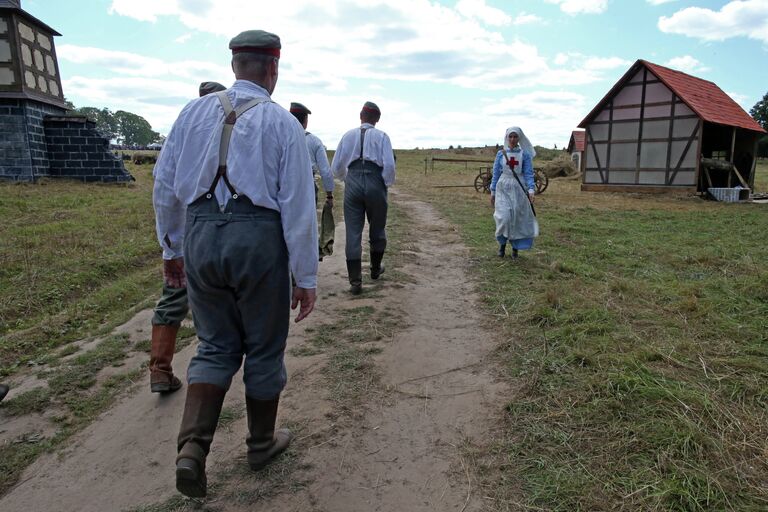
column 298, row 108
column 209, row 87
column 256, row 41
column 371, row 107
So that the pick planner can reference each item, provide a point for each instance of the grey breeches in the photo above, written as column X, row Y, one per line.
column 365, row 195
column 239, row 291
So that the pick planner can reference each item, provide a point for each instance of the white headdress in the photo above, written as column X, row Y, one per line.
column 525, row 144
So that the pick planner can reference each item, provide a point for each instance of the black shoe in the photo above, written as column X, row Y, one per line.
column 514, row 254
column 376, row 267
column 355, row 272
column 190, row 478
column 502, row 249
column 3, row 391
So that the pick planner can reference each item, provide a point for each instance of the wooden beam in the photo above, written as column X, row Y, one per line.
column 698, row 152
column 650, row 189
column 667, row 118
column 733, row 145
column 591, row 142
column 608, row 149
column 640, row 133
column 669, row 145
column 685, row 152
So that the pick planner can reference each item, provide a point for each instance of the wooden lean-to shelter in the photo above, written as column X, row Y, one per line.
column 652, row 129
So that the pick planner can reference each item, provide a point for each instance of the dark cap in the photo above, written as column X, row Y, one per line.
column 256, row 41
column 371, row 107
column 209, row 87
column 298, row 108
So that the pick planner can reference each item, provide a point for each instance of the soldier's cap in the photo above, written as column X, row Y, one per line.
column 298, row 108
column 256, row 41
column 210, row 87
column 371, row 107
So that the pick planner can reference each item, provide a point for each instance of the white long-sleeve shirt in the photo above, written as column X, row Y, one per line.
column 319, row 159
column 267, row 162
column 377, row 149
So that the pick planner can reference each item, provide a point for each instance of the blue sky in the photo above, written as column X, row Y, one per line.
column 445, row 72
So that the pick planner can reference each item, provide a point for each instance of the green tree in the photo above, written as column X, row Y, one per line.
column 134, row 129
column 104, row 119
column 760, row 112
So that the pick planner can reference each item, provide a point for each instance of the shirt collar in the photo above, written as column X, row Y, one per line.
column 366, row 125
column 251, row 87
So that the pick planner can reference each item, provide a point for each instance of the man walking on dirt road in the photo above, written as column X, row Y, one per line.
column 171, row 309
column 365, row 161
column 237, row 163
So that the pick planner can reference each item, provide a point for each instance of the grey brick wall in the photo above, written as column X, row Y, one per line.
column 77, row 151
column 38, row 140
column 15, row 156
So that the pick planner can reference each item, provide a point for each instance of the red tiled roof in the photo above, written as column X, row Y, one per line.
column 705, row 98
column 577, row 141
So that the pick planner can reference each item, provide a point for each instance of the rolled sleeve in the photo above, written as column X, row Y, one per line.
column 169, row 211
column 338, row 166
column 324, row 168
column 296, row 199
column 388, row 156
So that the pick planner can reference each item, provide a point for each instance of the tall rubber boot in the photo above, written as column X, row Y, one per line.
column 201, row 415
column 3, row 391
column 355, row 272
column 376, row 267
column 264, row 443
column 502, row 250
column 163, row 345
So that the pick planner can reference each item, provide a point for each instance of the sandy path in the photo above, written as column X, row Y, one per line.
column 401, row 451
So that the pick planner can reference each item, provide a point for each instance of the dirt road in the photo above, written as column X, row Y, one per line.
column 381, row 419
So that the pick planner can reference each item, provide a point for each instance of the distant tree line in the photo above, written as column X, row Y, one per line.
column 126, row 128
column 760, row 114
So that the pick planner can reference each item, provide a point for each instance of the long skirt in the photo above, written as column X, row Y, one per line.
column 515, row 220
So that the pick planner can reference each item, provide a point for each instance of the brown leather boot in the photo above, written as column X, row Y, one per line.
column 161, row 377
column 201, row 415
column 264, row 443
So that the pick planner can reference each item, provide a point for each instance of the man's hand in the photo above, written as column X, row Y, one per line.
column 173, row 273
column 305, row 296
column 531, row 196
column 493, row 200
column 329, row 200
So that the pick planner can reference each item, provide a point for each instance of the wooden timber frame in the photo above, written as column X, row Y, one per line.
column 645, row 139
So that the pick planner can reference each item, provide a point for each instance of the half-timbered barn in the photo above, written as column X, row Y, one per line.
column 650, row 132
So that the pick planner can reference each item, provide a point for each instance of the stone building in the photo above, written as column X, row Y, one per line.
column 38, row 135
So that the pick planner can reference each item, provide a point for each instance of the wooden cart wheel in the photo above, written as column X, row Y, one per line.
column 481, row 184
column 541, row 181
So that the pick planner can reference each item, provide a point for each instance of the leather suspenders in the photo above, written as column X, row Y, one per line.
column 230, row 117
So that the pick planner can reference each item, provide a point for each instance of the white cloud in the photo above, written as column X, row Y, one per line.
column 687, row 64
column 599, row 63
column 182, row 39
column 742, row 99
column 748, row 18
column 524, row 19
column 659, row 2
column 561, row 58
column 479, row 10
column 581, row 6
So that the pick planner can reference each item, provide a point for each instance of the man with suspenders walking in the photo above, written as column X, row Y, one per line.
column 365, row 161
column 237, row 164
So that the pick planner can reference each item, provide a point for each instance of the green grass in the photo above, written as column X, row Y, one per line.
column 637, row 331
column 76, row 259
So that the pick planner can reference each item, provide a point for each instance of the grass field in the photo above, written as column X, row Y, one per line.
column 634, row 333
column 76, row 260
column 637, row 334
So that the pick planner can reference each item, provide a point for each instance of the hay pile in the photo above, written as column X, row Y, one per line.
column 559, row 167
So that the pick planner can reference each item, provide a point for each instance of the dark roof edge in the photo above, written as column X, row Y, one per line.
column 620, row 83
column 25, row 14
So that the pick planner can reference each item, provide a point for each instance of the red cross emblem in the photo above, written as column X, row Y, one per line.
column 512, row 163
